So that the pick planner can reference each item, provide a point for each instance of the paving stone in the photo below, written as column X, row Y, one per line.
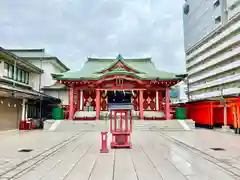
column 153, row 156
column 104, row 167
column 124, row 166
column 144, row 167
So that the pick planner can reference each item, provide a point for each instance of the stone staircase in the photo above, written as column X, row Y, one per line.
column 103, row 125
column 166, row 125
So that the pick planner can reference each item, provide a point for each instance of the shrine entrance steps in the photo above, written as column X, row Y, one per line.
column 138, row 125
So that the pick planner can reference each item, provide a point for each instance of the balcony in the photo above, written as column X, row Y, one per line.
column 227, row 79
column 16, row 83
column 216, row 71
column 224, row 92
column 214, row 40
column 216, row 60
column 230, row 42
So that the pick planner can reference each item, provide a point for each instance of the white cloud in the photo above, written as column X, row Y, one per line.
column 74, row 29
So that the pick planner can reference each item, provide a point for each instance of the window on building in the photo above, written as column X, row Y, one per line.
column 218, row 20
column 27, row 77
column 5, row 69
column 186, row 9
column 216, row 4
column 10, row 71
column 21, row 75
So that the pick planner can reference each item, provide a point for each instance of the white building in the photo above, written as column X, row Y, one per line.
column 212, row 47
column 18, row 98
column 26, row 85
column 178, row 93
column 50, row 65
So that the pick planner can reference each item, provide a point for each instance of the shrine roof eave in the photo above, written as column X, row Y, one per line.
column 138, row 76
column 96, row 79
column 120, row 73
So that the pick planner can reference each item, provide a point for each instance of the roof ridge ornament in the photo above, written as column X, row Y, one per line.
column 119, row 57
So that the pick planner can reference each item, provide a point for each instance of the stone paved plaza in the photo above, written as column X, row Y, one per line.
column 161, row 150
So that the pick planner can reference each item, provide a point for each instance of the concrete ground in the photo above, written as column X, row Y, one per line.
column 161, row 150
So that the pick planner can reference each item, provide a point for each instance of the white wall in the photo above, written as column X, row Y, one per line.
column 1, row 67
column 64, row 96
column 49, row 68
column 181, row 87
column 34, row 81
column 233, row 12
column 61, row 94
column 200, row 21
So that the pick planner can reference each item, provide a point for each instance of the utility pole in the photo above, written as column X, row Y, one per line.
column 39, row 89
column 14, row 75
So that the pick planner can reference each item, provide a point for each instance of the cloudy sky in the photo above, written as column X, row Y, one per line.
column 72, row 30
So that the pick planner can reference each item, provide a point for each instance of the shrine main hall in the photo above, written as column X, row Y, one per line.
column 102, row 83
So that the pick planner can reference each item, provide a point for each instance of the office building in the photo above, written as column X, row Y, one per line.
column 212, row 48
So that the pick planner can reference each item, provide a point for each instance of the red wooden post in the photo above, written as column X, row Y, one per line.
column 115, row 121
column 167, row 104
column 121, row 122
column 130, row 120
column 71, row 103
column 78, row 99
column 104, row 148
column 82, row 101
column 126, row 121
column 97, row 104
column 141, row 103
column 111, row 127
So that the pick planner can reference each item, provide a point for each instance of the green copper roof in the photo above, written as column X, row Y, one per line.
column 94, row 67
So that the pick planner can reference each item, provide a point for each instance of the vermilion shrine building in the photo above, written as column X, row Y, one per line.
column 102, row 82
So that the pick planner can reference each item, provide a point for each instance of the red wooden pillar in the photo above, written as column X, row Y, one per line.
column 167, row 104
column 98, row 104
column 82, row 101
column 71, row 103
column 78, row 99
column 159, row 100
column 141, row 104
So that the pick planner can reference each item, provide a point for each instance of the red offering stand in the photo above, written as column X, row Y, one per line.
column 104, row 148
column 121, row 127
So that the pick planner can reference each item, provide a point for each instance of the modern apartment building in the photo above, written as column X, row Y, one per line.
column 212, row 48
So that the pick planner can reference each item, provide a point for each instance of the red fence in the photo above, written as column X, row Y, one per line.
column 211, row 113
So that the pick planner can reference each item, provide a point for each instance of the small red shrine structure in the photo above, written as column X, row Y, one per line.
column 121, row 125
column 105, row 81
